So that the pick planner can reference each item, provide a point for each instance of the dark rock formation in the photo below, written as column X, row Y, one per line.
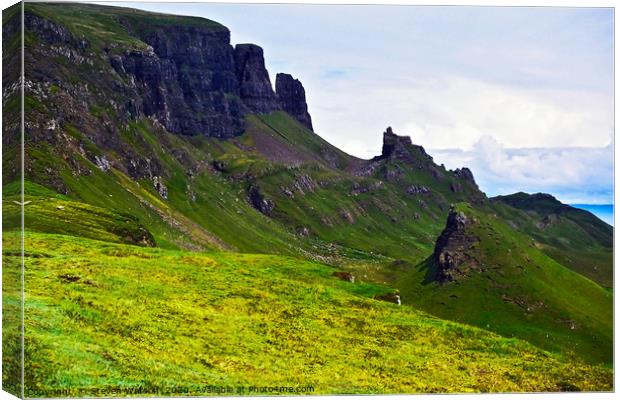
column 465, row 174
column 185, row 76
column 219, row 166
column 254, row 85
column 292, row 97
column 452, row 246
column 259, row 201
column 395, row 146
column 184, row 79
column 401, row 148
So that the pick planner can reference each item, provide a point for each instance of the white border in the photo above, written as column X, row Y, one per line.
column 535, row 3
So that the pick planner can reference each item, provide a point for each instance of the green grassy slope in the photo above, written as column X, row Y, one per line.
column 202, row 210
column 47, row 211
column 11, row 314
column 215, row 204
column 512, row 288
column 126, row 317
column 573, row 237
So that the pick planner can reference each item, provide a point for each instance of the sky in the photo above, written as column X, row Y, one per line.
column 523, row 96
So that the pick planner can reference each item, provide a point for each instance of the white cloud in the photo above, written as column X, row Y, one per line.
column 574, row 175
column 455, row 112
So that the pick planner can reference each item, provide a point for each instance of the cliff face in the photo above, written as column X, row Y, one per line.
column 395, row 146
column 183, row 80
column 11, row 88
column 292, row 98
column 185, row 75
column 196, row 83
column 255, row 87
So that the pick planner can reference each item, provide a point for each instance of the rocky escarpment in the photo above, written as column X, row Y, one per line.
column 292, row 98
column 465, row 174
column 174, row 74
column 451, row 248
column 183, row 80
column 255, row 87
column 11, row 93
column 185, row 75
column 196, row 83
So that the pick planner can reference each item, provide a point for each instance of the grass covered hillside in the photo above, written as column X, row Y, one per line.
column 507, row 285
column 125, row 316
column 573, row 237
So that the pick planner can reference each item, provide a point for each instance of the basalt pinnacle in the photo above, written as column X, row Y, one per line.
column 292, row 97
column 254, row 85
column 451, row 248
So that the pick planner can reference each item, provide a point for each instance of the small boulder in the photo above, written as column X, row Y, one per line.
column 393, row 297
column 219, row 166
column 259, row 201
column 344, row 276
column 347, row 216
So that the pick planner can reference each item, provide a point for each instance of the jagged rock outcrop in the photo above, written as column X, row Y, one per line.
column 292, row 98
column 465, row 174
column 401, row 148
column 394, row 145
column 259, row 201
column 255, row 87
column 451, row 248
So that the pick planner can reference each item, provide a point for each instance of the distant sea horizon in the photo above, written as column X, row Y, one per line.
column 604, row 212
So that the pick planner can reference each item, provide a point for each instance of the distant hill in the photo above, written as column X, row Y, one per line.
column 604, row 212
column 573, row 237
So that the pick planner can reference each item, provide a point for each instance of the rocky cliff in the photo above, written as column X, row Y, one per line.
column 185, row 75
column 185, row 79
column 292, row 97
column 255, row 87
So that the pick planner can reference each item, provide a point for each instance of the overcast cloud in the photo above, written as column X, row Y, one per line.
column 522, row 96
